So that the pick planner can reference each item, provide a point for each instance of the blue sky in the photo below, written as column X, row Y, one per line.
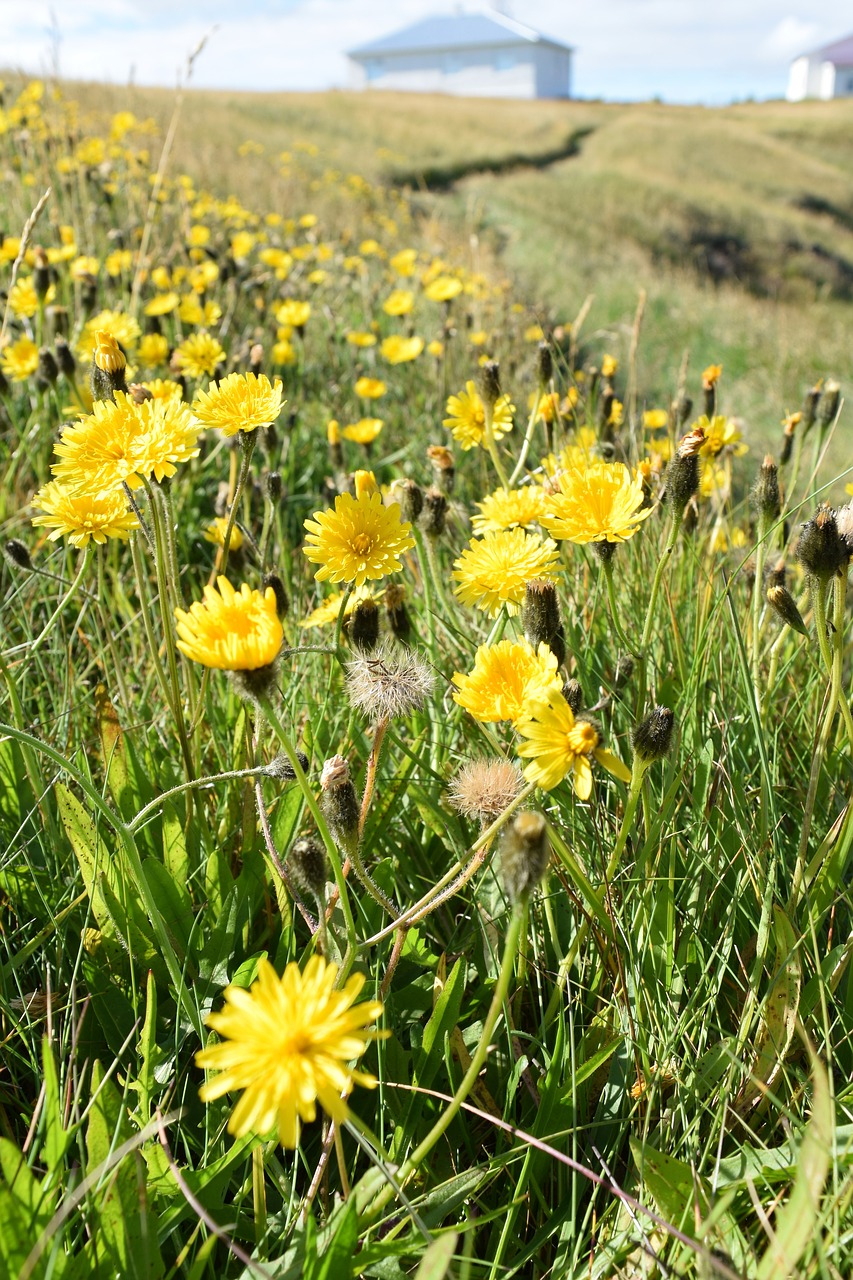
column 680, row 50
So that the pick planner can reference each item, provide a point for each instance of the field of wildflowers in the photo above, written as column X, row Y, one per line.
column 425, row 763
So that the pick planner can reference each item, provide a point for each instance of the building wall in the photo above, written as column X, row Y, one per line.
column 510, row 71
column 813, row 78
column 843, row 82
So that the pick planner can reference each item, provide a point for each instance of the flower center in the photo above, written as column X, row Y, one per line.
column 582, row 738
column 479, row 417
column 362, row 543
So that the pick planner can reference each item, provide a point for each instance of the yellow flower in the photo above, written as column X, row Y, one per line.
column 326, row 613
column 711, row 376
column 467, row 417
column 506, row 676
column 609, row 365
column 558, row 744
column 123, row 329
column 20, row 359
column 655, row 419
column 198, row 355
column 240, row 402
column 436, row 348
column 80, row 514
column 508, row 507
column 534, row 333
column 399, row 303
column 443, row 289
column 404, row 262
column 162, row 303
column 288, row 1043
column 616, row 414
column 370, row 388
column 358, row 339
column 169, row 434
column 599, row 503
column 230, row 630
column 216, row 530
column 360, row 539
column 494, row 570
column 479, row 338
column 153, row 350
column 122, row 442
column 720, row 433
column 23, row 299
column 107, row 354
column 364, row 431
column 398, row 350
column 294, row 313
column 164, row 389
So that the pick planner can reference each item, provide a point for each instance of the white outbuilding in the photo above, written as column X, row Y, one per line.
column 482, row 55
column 824, row 73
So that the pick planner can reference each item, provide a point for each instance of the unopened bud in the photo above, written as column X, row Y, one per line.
column 282, row 602
column 307, row 864
column 64, row 357
column 783, row 603
column 652, row 737
column 41, row 273
column 573, row 694
column 272, row 485
column 57, row 320
column 682, row 409
column 48, row 369
column 540, row 617
column 810, row 403
column 339, row 803
column 766, row 498
column 18, row 553
column 624, row 671
column 139, row 394
column 525, row 853
column 108, row 367
column 490, row 383
column 682, row 474
column 410, row 498
column 434, row 514
column 828, row 405
column 443, row 467
column 396, row 611
column 546, row 365
column 256, row 358
column 281, row 768
column 820, row 550
column 364, row 625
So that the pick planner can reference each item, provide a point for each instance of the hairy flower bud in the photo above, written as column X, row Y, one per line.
column 828, row 405
column 18, row 554
column 363, row 625
column 766, row 498
column 785, row 606
column 434, row 514
column 540, row 617
column 282, row 601
column 652, row 738
column 272, row 485
column 410, row 498
column 443, row 467
column 490, row 383
column 64, row 357
column 525, row 853
column 573, row 693
column 396, row 612
column 283, row 770
column 339, row 803
column 307, row 864
column 546, row 365
column 108, row 367
column 820, row 550
column 682, row 474
column 48, row 369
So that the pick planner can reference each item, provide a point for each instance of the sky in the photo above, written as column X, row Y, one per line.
column 678, row 50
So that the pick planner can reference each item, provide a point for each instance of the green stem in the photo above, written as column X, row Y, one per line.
column 513, row 936
column 58, row 611
column 757, row 602
column 528, row 437
column 207, row 781
column 677, row 518
column 144, row 608
column 607, row 566
column 491, row 444
column 248, row 440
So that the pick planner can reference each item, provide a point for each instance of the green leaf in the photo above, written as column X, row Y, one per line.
column 436, row 1262
column 338, row 1255
column 114, row 753
column 173, row 903
column 444, row 1018
column 56, row 1138
column 779, row 1015
column 175, row 857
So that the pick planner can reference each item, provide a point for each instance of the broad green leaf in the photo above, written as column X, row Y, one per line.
column 338, row 1256
column 175, row 857
column 443, row 1019
column 56, row 1138
column 113, row 752
column 437, row 1260
column 173, row 904
column 779, row 1014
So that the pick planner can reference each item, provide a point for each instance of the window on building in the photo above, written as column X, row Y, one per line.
column 505, row 60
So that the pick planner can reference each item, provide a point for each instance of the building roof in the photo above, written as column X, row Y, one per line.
column 455, row 31
column 840, row 52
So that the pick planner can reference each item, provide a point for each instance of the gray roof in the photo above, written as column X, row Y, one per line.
column 840, row 52
column 455, row 31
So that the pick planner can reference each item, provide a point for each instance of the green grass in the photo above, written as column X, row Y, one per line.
column 662, row 1042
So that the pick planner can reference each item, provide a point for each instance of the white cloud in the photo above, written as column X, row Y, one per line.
column 790, row 37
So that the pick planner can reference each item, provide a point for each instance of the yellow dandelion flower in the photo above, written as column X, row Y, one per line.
column 655, row 419
column 370, row 388
column 162, row 303
column 549, row 406
column 364, row 431
column 294, row 312
column 711, row 376
column 169, row 435
column 720, row 433
column 164, row 389
column 198, row 355
column 534, row 333
column 506, row 676
column 326, row 614
column 216, row 530
column 598, row 503
column 153, row 350
column 288, row 1043
column 399, row 350
column 240, row 402
column 506, row 508
column 399, row 303
column 443, row 289
column 359, row 540
column 23, row 299
column 81, row 515
column 107, row 354
column 557, row 744
column 435, row 348
column 609, row 365
column 84, row 265
column 121, row 327
column 404, row 262
column 494, row 570
column 191, row 311
column 20, row 359
column 231, row 630
column 467, row 417
column 356, row 338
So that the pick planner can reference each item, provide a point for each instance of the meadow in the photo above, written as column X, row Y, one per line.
column 425, row 725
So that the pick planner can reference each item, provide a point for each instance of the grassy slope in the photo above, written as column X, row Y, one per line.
column 701, row 208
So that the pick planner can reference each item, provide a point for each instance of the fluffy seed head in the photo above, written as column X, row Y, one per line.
column 482, row 789
column 388, row 683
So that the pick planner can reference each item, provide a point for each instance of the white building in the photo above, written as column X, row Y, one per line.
column 824, row 73
column 483, row 55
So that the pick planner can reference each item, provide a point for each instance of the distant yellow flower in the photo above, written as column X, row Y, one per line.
column 162, row 303
column 240, row 402
column 506, row 676
column 467, row 417
column 164, row 389
column 435, row 348
column 479, row 338
column 404, row 262
column 617, row 413
column 294, row 312
column 360, row 539
column 153, row 350
column 609, row 365
column 508, row 507
column 399, row 350
column 123, row 328
column 326, row 614
column 364, row 431
column 358, row 339
column 557, row 744
column 598, row 503
column 20, row 359
column 231, row 630
column 199, row 236
column 711, row 376
column 23, row 299
column 443, row 289
column 364, row 482
column 720, row 433
column 198, row 355
column 216, row 531
column 655, row 419
column 399, row 303
column 534, row 333
column 370, row 388
column 288, row 1043
column 81, row 515
column 494, row 570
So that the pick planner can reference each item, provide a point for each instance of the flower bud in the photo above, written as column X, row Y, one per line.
column 546, row 365
column 256, row 358
column 272, row 485
column 540, row 617
column 573, row 693
column 682, row 474
column 682, row 409
column 41, row 273
column 64, row 357
column 18, row 554
column 434, row 514
column 490, row 383
column 307, row 864
column 820, row 550
column 652, row 738
column 139, row 394
column 783, row 603
column 810, row 404
column 281, row 768
column 57, row 319
column 410, row 498
column 48, row 370
column 828, row 405
column 282, row 603
column 339, row 803
column 396, row 612
column 363, row 627
column 443, row 467
column 108, row 367
column 766, row 498
column 525, row 853
column 624, row 671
